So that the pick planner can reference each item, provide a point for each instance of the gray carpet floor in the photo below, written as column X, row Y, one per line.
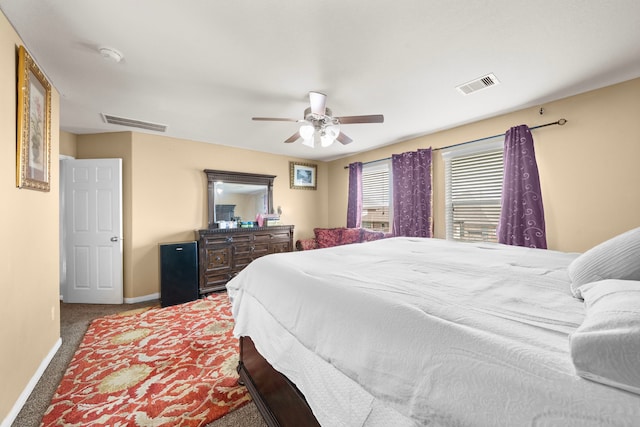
column 74, row 321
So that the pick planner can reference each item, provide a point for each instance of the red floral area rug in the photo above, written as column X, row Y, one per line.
column 160, row 367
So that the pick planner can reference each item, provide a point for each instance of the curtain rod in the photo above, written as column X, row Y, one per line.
column 560, row 122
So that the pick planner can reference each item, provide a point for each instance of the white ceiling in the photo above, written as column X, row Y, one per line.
column 204, row 68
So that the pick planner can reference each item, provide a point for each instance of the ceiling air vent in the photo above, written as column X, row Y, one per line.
column 477, row 84
column 123, row 121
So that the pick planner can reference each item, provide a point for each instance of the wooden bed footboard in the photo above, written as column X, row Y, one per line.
column 278, row 399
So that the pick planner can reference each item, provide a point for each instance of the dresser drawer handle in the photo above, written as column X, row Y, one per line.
column 229, row 239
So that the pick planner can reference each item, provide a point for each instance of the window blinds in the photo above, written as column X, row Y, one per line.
column 376, row 196
column 473, row 187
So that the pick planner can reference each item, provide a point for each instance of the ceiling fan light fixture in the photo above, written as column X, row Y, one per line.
column 333, row 130
column 306, row 131
column 326, row 140
column 309, row 142
column 329, row 135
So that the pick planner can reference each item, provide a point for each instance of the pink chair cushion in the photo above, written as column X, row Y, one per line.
column 351, row 235
column 306, row 244
column 370, row 235
column 328, row 237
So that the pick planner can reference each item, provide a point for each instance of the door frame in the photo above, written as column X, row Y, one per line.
column 63, row 229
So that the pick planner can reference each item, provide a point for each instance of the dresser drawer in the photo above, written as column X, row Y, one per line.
column 281, row 236
column 244, row 254
column 278, row 247
column 271, row 236
column 215, row 240
column 217, row 258
column 215, row 282
column 217, row 279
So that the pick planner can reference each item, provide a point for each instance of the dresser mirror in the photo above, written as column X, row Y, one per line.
column 235, row 197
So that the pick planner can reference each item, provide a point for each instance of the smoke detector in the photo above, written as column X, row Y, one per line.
column 110, row 54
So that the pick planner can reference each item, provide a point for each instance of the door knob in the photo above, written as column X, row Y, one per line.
column 114, row 239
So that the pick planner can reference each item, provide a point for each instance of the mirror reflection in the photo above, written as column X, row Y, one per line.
column 239, row 202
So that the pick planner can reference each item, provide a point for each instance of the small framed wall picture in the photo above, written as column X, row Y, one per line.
column 303, row 176
column 33, row 154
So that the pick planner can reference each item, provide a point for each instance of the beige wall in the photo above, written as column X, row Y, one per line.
column 165, row 192
column 588, row 167
column 29, row 252
column 68, row 144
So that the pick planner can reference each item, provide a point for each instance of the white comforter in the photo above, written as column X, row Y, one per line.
column 408, row 331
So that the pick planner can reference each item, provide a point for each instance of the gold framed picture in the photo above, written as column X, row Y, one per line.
column 33, row 152
column 302, row 176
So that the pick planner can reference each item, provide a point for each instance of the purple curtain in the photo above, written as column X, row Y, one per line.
column 354, row 205
column 412, row 215
column 522, row 213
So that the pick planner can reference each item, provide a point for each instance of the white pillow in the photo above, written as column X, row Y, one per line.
column 616, row 258
column 606, row 346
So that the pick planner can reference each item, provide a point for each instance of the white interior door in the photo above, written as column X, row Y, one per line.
column 93, row 222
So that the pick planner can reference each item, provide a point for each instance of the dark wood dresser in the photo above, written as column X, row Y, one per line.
column 223, row 253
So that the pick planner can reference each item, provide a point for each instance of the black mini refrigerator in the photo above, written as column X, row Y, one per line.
column 178, row 273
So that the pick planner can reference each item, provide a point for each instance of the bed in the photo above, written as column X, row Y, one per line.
column 410, row 331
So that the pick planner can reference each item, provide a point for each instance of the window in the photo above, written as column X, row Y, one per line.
column 473, row 187
column 376, row 196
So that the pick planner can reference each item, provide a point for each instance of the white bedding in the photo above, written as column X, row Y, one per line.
column 407, row 331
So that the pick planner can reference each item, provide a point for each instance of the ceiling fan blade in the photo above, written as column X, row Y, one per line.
column 344, row 139
column 273, row 119
column 318, row 102
column 293, row 138
column 374, row 118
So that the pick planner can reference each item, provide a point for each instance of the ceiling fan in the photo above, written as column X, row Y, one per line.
column 318, row 123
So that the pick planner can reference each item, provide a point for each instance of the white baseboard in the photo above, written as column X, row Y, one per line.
column 22, row 399
column 143, row 298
